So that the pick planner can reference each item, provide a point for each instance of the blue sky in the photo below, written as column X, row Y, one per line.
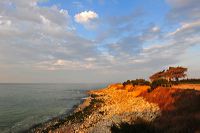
column 154, row 10
column 96, row 40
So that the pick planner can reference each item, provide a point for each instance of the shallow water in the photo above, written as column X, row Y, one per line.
column 24, row 105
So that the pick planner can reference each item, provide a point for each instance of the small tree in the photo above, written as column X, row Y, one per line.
column 175, row 73
column 158, row 75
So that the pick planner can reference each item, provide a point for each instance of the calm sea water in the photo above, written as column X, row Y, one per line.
column 24, row 105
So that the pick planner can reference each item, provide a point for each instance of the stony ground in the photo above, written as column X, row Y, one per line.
column 119, row 104
column 166, row 110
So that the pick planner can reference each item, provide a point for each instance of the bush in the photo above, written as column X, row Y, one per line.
column 138, row 127
column 136, row 82
column 186, row 81
column 190, row 81
column 160, row 82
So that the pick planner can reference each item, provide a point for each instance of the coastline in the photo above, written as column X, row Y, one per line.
column 130, row 107
column 98, row 112
column 54, row 121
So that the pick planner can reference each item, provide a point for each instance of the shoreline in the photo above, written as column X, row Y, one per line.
column 101, row 109
column 107, row 109
column 57, row 119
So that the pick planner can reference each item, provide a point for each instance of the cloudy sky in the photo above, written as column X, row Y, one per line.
column 88, row 41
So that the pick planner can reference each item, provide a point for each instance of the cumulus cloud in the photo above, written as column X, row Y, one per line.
column 30, row 34
column 87, row 18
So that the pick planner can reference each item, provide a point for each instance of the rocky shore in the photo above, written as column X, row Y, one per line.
column 119, row 108
column 104, row 108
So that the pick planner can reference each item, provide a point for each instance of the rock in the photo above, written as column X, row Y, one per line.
column 119, row 105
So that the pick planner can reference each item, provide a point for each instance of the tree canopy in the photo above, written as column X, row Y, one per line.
column 172, row 73
column 158, row 75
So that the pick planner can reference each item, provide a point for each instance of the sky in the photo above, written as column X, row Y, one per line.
column 96, row 41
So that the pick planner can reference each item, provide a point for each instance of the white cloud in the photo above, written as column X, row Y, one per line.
column 87, row 18
column 45, row 20
column 187, row 27
column 6, row 23
column 61, row 64
column 90, row 59
column 43, row 36
column 155, row 29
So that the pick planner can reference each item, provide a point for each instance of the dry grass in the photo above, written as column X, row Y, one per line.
column 180, row 106
column 120, row 91
column 187, row 86
column 180, row 109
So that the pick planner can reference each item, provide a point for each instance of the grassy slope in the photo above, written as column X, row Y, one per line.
column 180, row 109
column 180, row 112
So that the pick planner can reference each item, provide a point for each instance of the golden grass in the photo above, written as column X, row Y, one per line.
column 180, row 109
column 187, row 86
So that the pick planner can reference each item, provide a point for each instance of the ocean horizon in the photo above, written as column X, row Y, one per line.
column 23, row 105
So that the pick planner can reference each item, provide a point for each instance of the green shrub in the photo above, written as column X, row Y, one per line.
column 136, row 82
column 189, row 81
column 160, row 82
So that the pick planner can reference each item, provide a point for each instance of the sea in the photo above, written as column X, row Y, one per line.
column 25, row 105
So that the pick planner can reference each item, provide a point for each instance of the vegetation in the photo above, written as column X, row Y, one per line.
column 158, row 75
column 164, row 78
column 137, row 82
column 187, row 81
column 176, row 73
column 180, row 110
column 172, row 73
column 140, row 126
column 160, row 82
